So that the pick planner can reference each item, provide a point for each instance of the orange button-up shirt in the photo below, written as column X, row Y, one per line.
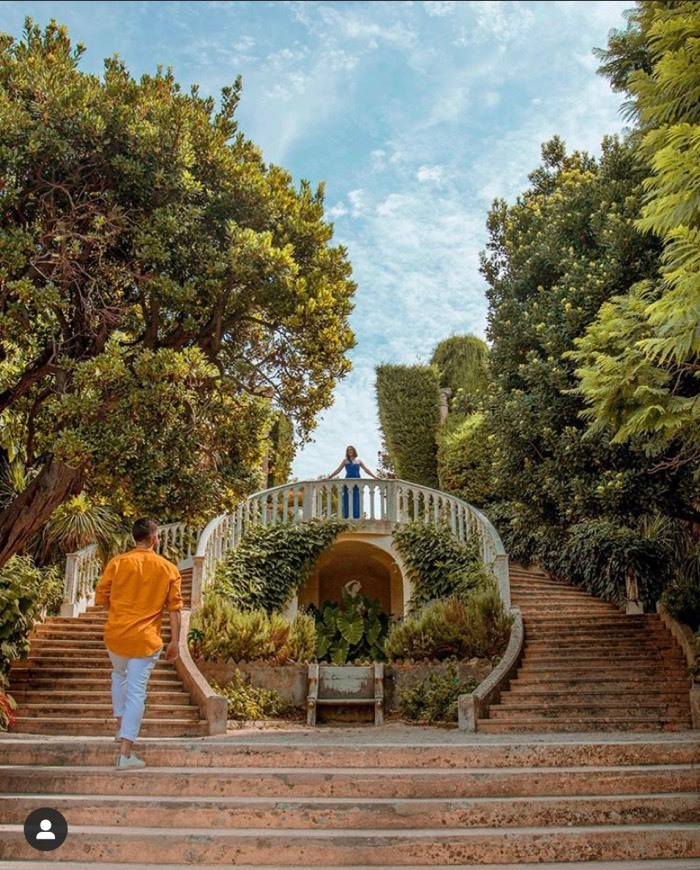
column 136, row 586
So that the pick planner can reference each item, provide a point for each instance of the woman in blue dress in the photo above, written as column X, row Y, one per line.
column 352, row 465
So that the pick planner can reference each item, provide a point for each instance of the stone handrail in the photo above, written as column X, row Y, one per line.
column 176, row 541
column 476, row 705
column 393, row 501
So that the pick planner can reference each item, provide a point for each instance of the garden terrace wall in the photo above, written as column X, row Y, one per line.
column 291, row 681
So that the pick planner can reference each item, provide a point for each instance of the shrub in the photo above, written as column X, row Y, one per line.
column 353, row 632
column 453, row 628
column 465, row 459
column 220, row 633
column 247, row 702
column 435, row 698
column 599, row 554
column 270, row 563
column 7, row 707
column 22, row 596
column 682, row 600
column 438, row 564
column 408, row 399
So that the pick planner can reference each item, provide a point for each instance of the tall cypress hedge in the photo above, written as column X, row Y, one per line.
column 409, row 414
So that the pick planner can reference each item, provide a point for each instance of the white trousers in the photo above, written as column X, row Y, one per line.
column 129, row 682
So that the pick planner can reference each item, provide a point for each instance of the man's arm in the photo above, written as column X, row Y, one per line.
column 172, row 651
column 104, row 587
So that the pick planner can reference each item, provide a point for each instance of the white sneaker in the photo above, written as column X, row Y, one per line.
column 130, row 762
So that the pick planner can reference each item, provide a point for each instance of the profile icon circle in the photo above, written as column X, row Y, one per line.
column 45, row 829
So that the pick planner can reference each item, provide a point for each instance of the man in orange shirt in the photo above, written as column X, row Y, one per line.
column 136, row 586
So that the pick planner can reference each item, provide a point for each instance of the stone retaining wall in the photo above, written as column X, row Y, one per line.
column 291, row 681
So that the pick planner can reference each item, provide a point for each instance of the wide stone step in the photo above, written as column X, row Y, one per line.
column 599, row 659
column 577, row 708
column 588, row 724
column 376, row 848
column 563, row 669
column 73, row 697
column 387, row 813
column 64, row 662
column 351, row 782
column 88, row 710
column 105, row 727
column 471, row 752
column 576, row 682
column 72, row 679
column 594, row 695
column 662, row 864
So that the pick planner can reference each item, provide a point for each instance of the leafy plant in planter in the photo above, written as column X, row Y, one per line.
column 434, row 699
column 353, row 632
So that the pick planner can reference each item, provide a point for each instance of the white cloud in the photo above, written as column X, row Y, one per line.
column 358, row 202
column 431, row 174
column 336, row 211
column 438, row 8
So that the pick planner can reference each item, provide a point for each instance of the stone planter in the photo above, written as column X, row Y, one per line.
column 291, row 681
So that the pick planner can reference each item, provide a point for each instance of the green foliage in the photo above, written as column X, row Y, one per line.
column 682, row 600
column 600, row 554
column 272, row 562
column 438, row 564
column 163, row 286
column 281, row 451
column 453, row 628
column 8, row 705
column 462, row 363
column 79, row 522
column 352, row 632
column 408, row 398
column 568, row 245
column 638, row 361
column 249, row 703
column 465, row 451
column 22, row 597
column 435, row 698
column 220, row 633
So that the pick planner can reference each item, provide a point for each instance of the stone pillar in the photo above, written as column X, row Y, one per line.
column 445, row 393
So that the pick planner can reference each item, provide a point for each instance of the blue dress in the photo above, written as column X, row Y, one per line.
column 352, row 469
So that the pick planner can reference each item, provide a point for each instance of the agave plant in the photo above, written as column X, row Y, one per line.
column 79, row 522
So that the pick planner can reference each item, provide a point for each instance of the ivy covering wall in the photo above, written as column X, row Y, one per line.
column 409, row 413
column 272, row 562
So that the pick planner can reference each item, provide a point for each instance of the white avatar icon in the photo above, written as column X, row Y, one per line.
column 46, row 833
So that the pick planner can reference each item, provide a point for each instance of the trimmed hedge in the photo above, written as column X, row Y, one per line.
column 465, row 455
column 409, row 414
column 461, row 361
column 281, row 456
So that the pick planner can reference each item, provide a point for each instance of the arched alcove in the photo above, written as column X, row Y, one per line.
column 353, row 559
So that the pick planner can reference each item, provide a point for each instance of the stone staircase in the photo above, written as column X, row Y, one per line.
column 63, row 687
column 589, row 667
column 390, row 797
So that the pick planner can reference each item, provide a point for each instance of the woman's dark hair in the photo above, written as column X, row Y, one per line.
column 144, row 528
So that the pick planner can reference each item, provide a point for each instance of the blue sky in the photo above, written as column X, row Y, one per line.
column 415, row 114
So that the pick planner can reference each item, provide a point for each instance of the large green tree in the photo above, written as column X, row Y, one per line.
column 568, row 244
column 639, row 362
column 162, row 288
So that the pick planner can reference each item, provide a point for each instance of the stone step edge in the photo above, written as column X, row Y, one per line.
column 325, row 801
column 399, row 772
column 654, row 864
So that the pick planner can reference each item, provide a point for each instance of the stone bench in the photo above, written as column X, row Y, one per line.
column 346, row 686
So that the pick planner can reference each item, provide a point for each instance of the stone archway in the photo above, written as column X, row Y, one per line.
column 357, row 557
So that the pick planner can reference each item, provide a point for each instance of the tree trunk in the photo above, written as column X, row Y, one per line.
column 55, row 483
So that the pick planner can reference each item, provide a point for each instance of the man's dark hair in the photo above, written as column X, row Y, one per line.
column 144, row 528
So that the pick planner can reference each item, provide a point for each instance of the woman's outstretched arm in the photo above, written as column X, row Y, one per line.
column 371, row 473
column 338, row 469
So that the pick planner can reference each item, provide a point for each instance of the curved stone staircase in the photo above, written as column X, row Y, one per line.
column 589, row 667
column 63, row 687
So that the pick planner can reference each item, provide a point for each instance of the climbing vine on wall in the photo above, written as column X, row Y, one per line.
column 272, row 562
column 438, row 564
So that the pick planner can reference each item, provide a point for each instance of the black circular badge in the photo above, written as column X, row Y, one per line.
column 45, row 829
